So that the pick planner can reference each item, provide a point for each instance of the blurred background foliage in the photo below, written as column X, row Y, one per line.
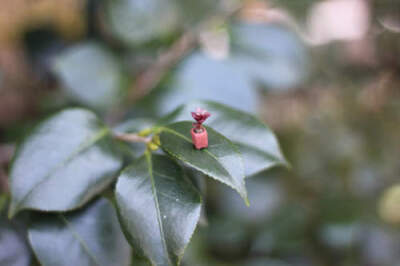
column 323, row 74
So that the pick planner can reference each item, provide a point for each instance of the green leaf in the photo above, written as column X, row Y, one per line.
column 158, row 208
column 91, row 236
column 255, row 140
column 63, row 163
column 221, row 160
column 90, row 74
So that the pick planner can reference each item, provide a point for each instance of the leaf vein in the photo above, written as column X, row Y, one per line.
column 205, row 150
column 164, row 176
column 80, row 240
column 91, row 141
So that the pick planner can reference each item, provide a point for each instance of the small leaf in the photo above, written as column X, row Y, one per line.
column 64, row 162
column 158, row 208
column 255, row 140
column 221, row 160
column 90, row 74
column 91, row 236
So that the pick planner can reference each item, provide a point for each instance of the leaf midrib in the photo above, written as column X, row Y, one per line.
column 85, row 145
column 80, row 240
column 188, row 140
column 155, row 197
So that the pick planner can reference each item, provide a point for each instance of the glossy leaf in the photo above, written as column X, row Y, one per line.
column 221, row 160
column 63, row 163
column 255, row 140
column 90, row 74
column 158, row 208
column 91, row 236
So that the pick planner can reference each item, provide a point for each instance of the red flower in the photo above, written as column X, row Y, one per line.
column 200, row 115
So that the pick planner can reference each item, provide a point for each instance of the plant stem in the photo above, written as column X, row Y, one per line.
column 6, row 152
column 152, row 76
column 188, row 41
column 132, row 137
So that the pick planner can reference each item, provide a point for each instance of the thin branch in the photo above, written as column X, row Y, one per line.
column 133, row 138
column 3, row 180
column 153, row 75
column 149, row 79
column 6, row 153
